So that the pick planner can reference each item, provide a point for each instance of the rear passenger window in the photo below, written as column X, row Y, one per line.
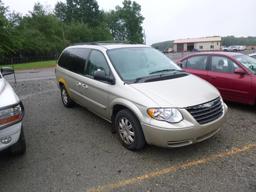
column 74, row 59
column 197, row 62
column 223, row 64
column 97, row 62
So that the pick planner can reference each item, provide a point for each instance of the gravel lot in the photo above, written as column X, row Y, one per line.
column 74, row 150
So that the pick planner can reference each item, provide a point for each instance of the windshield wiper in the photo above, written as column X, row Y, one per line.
column 164, row 70
column 139, row 79
column 151, row 76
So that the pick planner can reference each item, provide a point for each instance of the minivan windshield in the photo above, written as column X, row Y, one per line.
column 141, row 62
column 248, row 62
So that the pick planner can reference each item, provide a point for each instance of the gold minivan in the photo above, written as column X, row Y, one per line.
column 146, row 96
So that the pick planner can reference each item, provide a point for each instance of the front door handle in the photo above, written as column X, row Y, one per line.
column 83, row 85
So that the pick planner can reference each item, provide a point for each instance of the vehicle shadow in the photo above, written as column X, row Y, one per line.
column 106, row 143
column 164, row 156
column 239, row 106
column 214, row 144
column 5, row 157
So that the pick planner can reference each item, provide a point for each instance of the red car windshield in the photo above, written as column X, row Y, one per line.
column 248, row 62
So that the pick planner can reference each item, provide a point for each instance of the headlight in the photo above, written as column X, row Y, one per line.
column 11, row 115
column 170, row 115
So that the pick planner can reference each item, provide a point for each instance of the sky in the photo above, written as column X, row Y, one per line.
column 174, row 19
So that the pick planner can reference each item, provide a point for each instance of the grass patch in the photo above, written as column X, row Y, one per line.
column 33, row 65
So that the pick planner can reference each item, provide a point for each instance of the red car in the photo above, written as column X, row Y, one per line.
column 233, row 74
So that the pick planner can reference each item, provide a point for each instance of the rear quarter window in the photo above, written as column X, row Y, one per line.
column 74, row 59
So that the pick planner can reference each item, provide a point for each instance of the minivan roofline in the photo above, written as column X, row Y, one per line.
column 107, row 46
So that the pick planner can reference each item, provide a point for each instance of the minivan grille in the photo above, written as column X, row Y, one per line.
column 207, row 112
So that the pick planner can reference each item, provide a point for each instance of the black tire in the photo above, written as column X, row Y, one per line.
column 127, row 119
column 19, row 148
column 66, row 100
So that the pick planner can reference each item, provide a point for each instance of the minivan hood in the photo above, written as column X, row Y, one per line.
column 180, row 92
column 7, row 94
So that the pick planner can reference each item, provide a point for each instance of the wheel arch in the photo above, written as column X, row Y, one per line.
column 63, row 82
column 120, row 104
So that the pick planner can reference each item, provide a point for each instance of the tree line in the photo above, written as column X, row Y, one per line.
column 231, row 40
column 44, row 32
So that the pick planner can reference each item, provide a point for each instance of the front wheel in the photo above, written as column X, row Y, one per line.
column 129, row 130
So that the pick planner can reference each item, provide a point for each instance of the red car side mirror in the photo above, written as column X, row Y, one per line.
column 240, row 71
column 179, row 63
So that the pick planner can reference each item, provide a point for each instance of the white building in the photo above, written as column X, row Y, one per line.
column 200, row 44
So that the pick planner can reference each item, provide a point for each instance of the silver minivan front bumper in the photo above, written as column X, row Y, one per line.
column 164, row 134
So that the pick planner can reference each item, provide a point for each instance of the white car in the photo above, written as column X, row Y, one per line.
column 236, row 48
column 253, row 55
column 11, row 115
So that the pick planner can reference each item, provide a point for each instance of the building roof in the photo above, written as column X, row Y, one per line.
column 197, row 40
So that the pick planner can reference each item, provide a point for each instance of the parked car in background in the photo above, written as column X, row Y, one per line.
column 253, row 55
column 146, row 96
column 11, row 115
column 235, row 48
column 223, row 48
column 233, row 74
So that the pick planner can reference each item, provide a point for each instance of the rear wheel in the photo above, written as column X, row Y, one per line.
column 66, row 100
column 19, row 148
column 129, row 130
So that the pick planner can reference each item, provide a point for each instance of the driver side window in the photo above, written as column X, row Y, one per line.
column 97, row 62
column 223, row 64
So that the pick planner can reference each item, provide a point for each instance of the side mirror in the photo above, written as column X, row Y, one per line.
column 179, row 63
column 7, row 71
column 101, row 76
column 239, row 71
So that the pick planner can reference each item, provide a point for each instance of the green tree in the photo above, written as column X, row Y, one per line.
column 125, row 22
column 40, row 33
column 61, row 11
column 231, row 40
column 82, row 11
column 43, row 33
column 82, row 21
column 6, row 45
column 117, row 26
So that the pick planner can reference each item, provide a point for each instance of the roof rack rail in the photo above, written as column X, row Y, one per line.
column 101, row 43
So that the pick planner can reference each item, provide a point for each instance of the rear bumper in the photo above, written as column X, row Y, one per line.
column 178, row 136
column 12, row 133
